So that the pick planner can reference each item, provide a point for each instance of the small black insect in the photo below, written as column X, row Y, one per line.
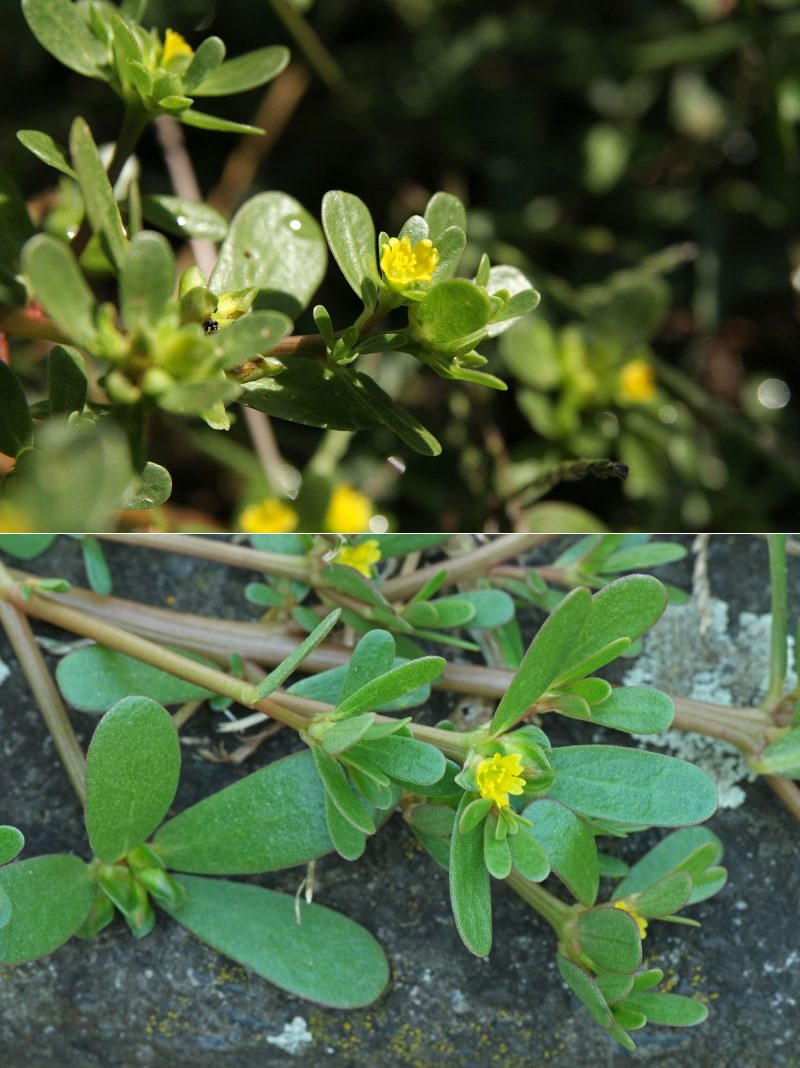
column 211, row 326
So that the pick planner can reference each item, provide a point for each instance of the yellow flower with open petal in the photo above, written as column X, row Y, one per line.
column 349, row 511
column 499, row 777
column 637, row 382
column 403, row 264
column 641, row 922
column 362, row 557
column 269, row 516
column 175, row 45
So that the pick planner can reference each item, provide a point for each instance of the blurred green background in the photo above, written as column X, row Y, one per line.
column 638, row 161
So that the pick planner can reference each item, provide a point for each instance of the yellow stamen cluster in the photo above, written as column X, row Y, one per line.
column 349, row 511
column 641, row 922
column 499, row 777
column 637, row 382
column 175, row 45
column 403, row 265
column 362, row 557
column 269, row 516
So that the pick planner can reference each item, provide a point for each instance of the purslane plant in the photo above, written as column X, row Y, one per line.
column 194, row 346
column 497, row 802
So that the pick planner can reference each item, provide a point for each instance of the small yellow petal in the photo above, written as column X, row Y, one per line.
column 404, row 265
column 637, row 382
column 349, row 511
column 641, row 922
column 361, row 557
column 499, row 777
column 175, row 45
column 269, row 516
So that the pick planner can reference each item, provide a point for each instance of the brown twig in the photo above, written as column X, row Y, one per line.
column 787, row 791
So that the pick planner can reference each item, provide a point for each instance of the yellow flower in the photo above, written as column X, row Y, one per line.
column 349, row 511
column 175, row 45
column 499, row 777
column 269, row 516
column 641, row 922
column 13, row 520
column 637, row 382
column 361, row 557
column 403, row 265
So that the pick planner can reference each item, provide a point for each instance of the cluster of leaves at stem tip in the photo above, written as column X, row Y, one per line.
column 498, row 802
column 218, row 340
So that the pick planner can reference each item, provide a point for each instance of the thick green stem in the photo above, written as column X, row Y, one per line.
column 780, row 619
column 547, row 905
column 47, row 697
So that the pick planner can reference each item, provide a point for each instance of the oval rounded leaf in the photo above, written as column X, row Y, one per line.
column 636, row 709
column 184, row 218
column 59, row 27
column 569, row 845
column 93, row 679
column 631, row 786
column 50, row 898
column 26, row 546
column 404, row 759
column 274, row 818
column 12, row 842
column 245, row 72
column 350, row 232
column 46, row 149
column 470, row 895
column 61, row 288
column 670, row 1009
column 610, row 937
column 319, row 954
column 395, row 683
column 147, row 279
column 530, row 860
column 666, row 896
column 690, row 849
column 584, row 987
column 274, row 244
column 132, row 771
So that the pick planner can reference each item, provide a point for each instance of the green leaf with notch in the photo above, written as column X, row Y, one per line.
column 543, row 660
column 470, row 894
column 132, row 771
column 95, row 678
column 50, row 898
column 98, row 196
column 631, row 786
column 272, row 819
column 259, row 929
column 569, row 846
column 60, row 287
column 610, row 937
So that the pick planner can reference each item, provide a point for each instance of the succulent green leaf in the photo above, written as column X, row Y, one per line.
column 443, row 211
column 12, row 842
column 248, row 337
column 444, row 612
column 453, row 315
column 348, row 842
column 666, row 896
column 569, row 846
column 338, row 789
column 243, row 73
column 60, row 28
column 323, row 956
column 185, row 218
column 380, row 405
column 400, row 544
column 372, row 657
column 781, row 757
column 436, row 820
column 614, row 986
column 638, row 557
column 49, row 897
column 395, row 683
column 647, row 979
column 610, row 937
column 683, row 850
column 405, row 759
column 273, row 243
column 312, row 393
column 151, row 488
column 449, row 245
column 94, row 561
column 599, row 658
column 530, row 859
column 344, row 734
column 66, row 380
column 132, row 771
column 147, row 279
column 282, row 672
column 470, row 894
column 203, row 121
column 496, row 851
column 95, row 678
column 523, row 297
column 625, row 608
column 631, row 786
column 636, row 709
column 60, row 287
column 207, row 58
column 47, row 150
column 25, row 546
column 272, row 819
column 493, row 608
column 544, row 659
column 350, row 232
column 586, row 990
column 16, row 424
column 670, row 1009
column 98, row 196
